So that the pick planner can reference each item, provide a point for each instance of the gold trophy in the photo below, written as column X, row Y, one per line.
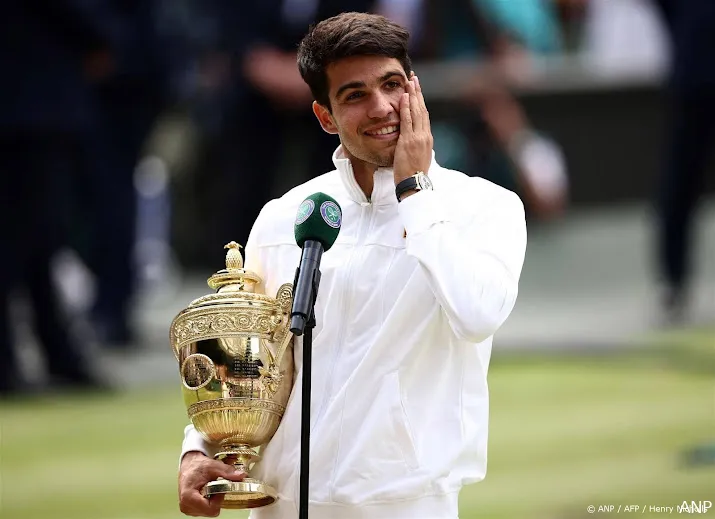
column 235, row 357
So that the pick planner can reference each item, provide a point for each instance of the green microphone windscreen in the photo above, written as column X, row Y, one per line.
column 319, row 218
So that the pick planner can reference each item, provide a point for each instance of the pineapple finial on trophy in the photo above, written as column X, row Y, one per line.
column 234, row 278
column 234, row 260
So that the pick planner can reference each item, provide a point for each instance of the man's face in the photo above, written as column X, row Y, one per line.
column 365, row 96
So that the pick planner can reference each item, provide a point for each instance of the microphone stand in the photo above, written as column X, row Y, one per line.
column 305, row 416
column 307, row 333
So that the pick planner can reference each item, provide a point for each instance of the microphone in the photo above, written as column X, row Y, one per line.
column 317, row 225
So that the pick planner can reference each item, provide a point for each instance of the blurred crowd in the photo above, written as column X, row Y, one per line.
column 87, row 83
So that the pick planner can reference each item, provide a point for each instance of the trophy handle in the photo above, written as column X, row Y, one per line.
column 282, row 334
column 283, row 347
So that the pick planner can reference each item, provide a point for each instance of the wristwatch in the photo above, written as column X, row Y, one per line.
column 417, row 182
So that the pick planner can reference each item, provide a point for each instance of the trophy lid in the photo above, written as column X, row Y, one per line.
column 234, row 277
column 235, row 310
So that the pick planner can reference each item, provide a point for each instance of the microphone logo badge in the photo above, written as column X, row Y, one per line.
column 331, row 214
column 304, row 211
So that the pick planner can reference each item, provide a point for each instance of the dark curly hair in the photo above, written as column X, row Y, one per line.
column 345, row 35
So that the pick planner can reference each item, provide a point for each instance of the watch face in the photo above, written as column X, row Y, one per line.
column 424, row 182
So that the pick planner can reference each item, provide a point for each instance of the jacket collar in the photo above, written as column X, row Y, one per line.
column 383, row 190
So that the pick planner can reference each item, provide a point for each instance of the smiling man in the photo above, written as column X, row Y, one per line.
column 424, row 272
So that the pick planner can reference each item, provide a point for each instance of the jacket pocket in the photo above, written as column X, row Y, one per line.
column 376, row 454
column 400, row 421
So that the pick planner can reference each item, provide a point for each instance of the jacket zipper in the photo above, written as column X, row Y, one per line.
column 365, row 205
column 364, row 224
column 345, row 307
column 366, row 214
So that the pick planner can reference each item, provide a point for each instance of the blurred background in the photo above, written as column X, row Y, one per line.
column 137, row 137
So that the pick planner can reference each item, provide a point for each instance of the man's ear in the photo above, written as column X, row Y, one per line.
column 325, row 118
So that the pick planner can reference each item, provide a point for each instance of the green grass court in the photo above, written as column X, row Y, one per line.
column 565, row 433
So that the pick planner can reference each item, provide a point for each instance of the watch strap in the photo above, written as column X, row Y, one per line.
column 408, row 184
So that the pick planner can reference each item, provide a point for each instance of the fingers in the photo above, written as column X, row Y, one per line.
column 415, row 143
column 194, row 504
column 418, row 114
column 210, row 469
column 405, row 115
column 415, row 111
column 222, row 470
column 421, row 103
column 195, row 473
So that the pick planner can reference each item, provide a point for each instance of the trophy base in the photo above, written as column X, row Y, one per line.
column 249, row 493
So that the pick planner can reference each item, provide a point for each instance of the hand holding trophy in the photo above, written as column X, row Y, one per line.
column 235, row 356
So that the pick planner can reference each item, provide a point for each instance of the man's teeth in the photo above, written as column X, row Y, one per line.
column 384, row 131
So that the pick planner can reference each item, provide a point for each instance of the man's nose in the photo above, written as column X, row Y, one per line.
column 381, row 107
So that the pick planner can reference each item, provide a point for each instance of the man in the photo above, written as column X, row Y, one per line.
column 411, row 294
column 49, row 50
column 691, row 93
column 129, row 98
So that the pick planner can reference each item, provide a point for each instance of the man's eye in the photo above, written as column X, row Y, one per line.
column 393, row 84
column 354, row 95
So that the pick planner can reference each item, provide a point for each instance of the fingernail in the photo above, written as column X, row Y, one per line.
column 417, row 81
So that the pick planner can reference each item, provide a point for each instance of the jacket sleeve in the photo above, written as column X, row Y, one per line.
column 472, row 253
column 193, row 441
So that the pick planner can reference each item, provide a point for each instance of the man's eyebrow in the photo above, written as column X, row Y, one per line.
column 361, row 84
column 388, row 75
column 348, row 86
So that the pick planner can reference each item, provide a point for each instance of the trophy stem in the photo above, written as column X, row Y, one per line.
column 240, row 456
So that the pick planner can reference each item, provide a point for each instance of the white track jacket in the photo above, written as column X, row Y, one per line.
column 400, row 405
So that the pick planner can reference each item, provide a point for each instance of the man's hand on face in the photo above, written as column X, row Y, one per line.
column 414, row 145
column 196, row 470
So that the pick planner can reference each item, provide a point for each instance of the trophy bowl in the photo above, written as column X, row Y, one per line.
column 235, row 355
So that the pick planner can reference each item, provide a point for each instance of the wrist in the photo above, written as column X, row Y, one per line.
column 411, row 185
column 406, row 194
column 193, row 454
column 189, row 456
